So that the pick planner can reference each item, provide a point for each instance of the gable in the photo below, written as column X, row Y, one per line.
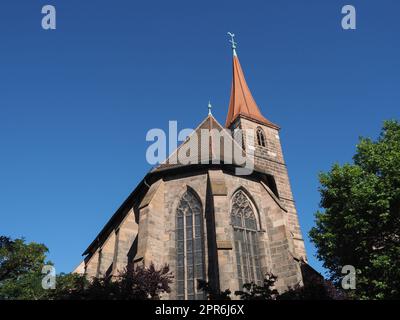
column 209, row 143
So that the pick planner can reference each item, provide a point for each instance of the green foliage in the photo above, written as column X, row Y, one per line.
column 360, row 224
column 25, row 287
column 20, row 269
column 21, row 278
column 70, row 286
column 134, row 283
column 314, row 288
column 211, row 292
column 17, row 257
column 252, row 291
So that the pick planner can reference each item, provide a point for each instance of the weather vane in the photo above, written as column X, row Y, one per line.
column 209, row 107
column 232, row 41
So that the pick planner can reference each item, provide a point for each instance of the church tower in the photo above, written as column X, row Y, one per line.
column 196, row 214
column 244, row 114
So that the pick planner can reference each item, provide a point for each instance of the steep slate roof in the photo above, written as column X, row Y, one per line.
column 242, row 102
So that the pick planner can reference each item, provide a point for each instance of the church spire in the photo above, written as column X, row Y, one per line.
column 242, row 102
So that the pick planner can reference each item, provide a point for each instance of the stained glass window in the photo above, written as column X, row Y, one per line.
column 189, row 246
column 245, row 237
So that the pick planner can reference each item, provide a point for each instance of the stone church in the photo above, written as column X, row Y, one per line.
column 203, row 219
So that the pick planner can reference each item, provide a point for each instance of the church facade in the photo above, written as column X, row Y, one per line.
column 202, row 218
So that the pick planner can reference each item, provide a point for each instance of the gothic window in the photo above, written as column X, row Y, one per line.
column 245, row 236
column 261, row 137
column 190, row 252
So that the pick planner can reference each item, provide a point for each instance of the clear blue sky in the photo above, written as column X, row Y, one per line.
column 76, row 103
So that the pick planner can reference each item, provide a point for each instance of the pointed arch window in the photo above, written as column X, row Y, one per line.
column 245, row 236
column 261, row 137
column 190, row 247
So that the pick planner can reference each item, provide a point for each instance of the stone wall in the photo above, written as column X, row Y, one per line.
column 270, row 160
column 111, row 257
column 157, row 242
column 126, row 234
column 147, row 233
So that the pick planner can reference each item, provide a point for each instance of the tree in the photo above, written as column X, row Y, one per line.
column 253, row 291
column 20, row 269
column 211, row 292
column 21, row 278
column 143, row 282
column 17, row 257
column 314, row 287
column 69, row 286
column 134, row 283
column 360, row 224
column 154, row 282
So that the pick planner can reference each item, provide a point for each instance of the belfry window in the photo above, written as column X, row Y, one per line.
column 261, row 137
column 190, row 247
column 245, row 236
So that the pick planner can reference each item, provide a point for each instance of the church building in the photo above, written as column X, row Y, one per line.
column 204, row 219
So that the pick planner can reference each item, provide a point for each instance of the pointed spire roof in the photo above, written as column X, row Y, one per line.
column 242, row 102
